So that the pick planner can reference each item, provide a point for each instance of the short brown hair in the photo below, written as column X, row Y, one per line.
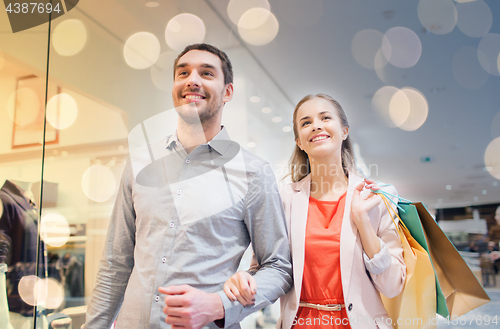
column 227, row 68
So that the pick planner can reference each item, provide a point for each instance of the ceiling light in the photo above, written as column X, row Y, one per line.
column 255, row 99
column 266, row 110
column 287, row 129
column 277, row 119
column 448, row 187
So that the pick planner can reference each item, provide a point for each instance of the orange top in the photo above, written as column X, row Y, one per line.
column 321, row 282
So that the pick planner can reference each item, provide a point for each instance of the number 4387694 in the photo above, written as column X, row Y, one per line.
column 32, row 8
column 472, row 319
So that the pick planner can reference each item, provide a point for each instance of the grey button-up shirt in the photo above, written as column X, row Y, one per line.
column 187, row 219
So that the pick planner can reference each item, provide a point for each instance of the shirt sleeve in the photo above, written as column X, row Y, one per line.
column 117, row 259
column 380, row 261
column 265, row 221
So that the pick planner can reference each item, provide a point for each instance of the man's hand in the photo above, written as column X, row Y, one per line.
column 191, row 308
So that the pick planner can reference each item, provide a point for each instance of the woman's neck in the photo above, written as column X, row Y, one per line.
column 328, row 180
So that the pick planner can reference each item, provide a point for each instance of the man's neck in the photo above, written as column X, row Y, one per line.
column 190, row 136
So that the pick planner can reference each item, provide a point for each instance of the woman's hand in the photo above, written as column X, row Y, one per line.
column 241, row 287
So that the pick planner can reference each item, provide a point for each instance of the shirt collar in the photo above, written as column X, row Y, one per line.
column 219, row 143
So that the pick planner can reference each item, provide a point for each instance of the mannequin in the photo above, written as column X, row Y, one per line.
column 19, row 222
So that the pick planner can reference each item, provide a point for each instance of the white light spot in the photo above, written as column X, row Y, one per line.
column 183, row 30
column 494, row 183
column 277, row 119
column 55, row 293
column 484, row 192
column 266, row 110
column 476, row 198
column 401, row 47
column 381, row 102
column 287, row 129
column 474, row 18
column 364, row 47
column 419, row 110
column 23, row 106
column 32, row 290
column 262, row 34
column 64, row 153
column 488, row 52
column 467, row 70
column 448, row 187
column 236, row 8
column 141, row 50
column 98, row 183
column 492, row 158
column 62, row 111
column 54, row 230
column 69, row 37
column 399, row 108
column 152, row 4
column 437, row 16
column 255, row 99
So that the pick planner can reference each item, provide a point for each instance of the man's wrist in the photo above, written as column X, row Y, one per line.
column 218, row 307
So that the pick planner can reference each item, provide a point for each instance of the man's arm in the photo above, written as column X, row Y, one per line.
column 265, row 220
column 117, row 259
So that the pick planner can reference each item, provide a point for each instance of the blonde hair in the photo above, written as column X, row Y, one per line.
column 299, row 161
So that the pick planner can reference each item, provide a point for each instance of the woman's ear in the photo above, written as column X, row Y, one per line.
column 345, row 133
column 297, row 141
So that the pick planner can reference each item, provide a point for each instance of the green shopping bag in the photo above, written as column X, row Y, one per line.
column 410, row 217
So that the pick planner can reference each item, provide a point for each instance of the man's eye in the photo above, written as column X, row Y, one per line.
column 183, row 73
column 208, row 73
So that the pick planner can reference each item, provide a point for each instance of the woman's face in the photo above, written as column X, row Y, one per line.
column 320, row 131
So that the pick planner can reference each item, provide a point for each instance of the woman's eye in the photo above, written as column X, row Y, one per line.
column 327, row 118
column 305, row 123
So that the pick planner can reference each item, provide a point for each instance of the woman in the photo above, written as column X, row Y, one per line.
column 345, row 247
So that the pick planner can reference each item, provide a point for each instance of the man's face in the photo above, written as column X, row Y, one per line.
column 199, row 92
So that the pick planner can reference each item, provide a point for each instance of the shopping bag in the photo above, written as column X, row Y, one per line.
column 410, row 217
column 415, row 306
column 460, row 287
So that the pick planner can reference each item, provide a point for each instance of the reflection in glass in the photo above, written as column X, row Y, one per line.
column 62, row 111
column 69, row 37
column 54, row 230
column 401, row 47
column 474, row 18
column 141, row 50
column 261, row 34
column 162, row 71
column 183, row 30
column 23, row 106
column 437, row 16
column 32, row 290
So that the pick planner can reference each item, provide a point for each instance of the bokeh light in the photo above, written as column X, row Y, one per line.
column 255, row 99
column 437, row 16
column 300, row 13
column 466, row 69
column 365, row 46
column 266, row 110
column 492, row 158
column 236, row 8
column 183, row 30
column 23, row 106
column 54, row 230
column 495, row 126
column 381, row 103
column 152, row 4
column 276, row 119
column 98, row 183
column 141, row 50
column 62, row 111
column 287, row 129
column 474, row 18
column 162, row 71
column 399, row 108
column 55, row 293
column 380, row 64
column 488, row 51
column 262, row 34
column 419, row 109
column 401, row 47
column 69, row 37
column 32, row 290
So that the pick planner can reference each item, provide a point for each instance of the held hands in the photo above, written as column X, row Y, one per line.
column 190, row 308
column 361, row 205
column 241, row 287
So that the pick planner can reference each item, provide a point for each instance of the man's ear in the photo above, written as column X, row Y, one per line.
column 228, row 93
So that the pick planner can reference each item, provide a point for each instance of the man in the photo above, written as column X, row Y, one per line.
column 187, row 208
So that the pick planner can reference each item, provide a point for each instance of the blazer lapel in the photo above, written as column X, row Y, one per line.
column 298, row 222
column 348, row 236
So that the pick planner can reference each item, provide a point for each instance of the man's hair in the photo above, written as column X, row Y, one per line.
column 227, row 68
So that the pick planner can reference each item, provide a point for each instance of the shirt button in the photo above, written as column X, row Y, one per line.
column 350, row 307
column 179, row 192
column 157, row 298
column 171, row 224
column 187, row 161
column 163, row 260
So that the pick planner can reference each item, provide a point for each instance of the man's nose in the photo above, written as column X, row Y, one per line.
column 194, row 79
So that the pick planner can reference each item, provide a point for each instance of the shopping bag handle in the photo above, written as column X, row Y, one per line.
column 387, row 195
column 388, row 206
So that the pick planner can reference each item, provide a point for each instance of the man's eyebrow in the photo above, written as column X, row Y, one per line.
column 209, row 66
